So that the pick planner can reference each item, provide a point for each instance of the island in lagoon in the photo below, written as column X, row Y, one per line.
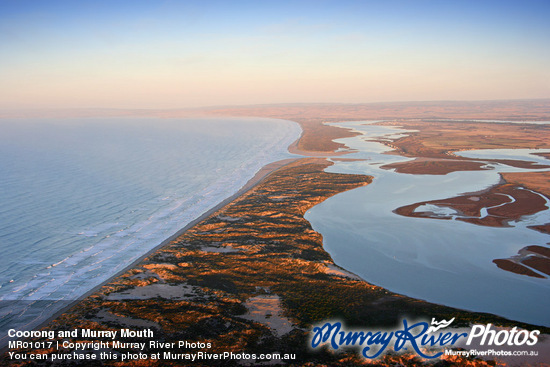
column 253, row 277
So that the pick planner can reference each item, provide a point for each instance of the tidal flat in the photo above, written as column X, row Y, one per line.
column 255, row 276
column 452, row 237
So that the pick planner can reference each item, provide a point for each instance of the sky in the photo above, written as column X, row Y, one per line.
column 181, row 54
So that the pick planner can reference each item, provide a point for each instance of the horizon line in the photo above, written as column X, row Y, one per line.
column 277, row 104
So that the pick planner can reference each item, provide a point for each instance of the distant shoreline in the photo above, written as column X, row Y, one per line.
column 516, row 109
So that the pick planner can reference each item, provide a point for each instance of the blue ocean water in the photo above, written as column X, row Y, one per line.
column 83, row 198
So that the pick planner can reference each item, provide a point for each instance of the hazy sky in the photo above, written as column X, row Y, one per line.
column 170, row 54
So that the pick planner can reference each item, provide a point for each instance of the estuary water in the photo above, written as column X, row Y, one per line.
column 442, row 261
column 83, row 198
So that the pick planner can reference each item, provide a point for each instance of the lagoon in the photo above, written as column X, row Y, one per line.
column 442, row 261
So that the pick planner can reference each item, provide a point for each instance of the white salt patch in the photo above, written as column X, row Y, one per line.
column 440, row 211
column 334, row 270
column 267, row 310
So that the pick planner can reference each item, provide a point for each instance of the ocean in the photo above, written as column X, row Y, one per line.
column 81, row 199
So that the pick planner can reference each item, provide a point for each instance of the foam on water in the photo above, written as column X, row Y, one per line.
column 83, row 198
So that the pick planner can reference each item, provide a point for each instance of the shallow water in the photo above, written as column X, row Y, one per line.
column 83, row 198
column 443, row 261
column 516, row 154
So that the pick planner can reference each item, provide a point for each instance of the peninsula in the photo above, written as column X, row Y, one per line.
column 252, row 276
